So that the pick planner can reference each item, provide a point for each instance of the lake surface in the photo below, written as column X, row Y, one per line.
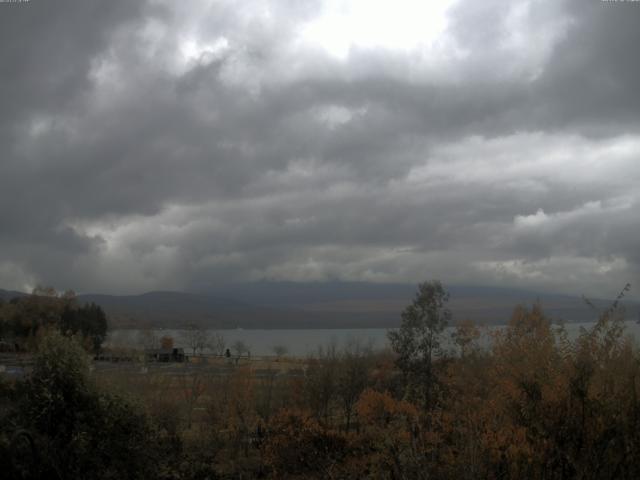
column 304, row 342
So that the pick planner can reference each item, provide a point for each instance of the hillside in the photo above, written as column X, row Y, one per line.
column 322, row 305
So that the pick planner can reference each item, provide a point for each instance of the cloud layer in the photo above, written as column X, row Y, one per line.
column 178, row 145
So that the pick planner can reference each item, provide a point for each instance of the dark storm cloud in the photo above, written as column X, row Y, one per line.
column 47, row 48
column 594, row 71
column 165, row 145
column 46, row 54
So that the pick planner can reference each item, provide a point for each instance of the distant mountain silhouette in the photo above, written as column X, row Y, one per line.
column 324, row 305
column 7, row 295
column 380, row 304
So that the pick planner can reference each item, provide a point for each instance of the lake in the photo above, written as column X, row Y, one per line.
column 303, row 342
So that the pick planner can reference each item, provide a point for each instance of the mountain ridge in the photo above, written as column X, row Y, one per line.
column 275, row 305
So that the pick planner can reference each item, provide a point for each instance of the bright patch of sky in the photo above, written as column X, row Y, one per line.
column 398, row 25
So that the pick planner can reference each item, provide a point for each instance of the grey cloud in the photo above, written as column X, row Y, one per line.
column 127, row 167
column 47, row 48
column 594, row 71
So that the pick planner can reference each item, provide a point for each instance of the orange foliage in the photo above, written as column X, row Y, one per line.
column 166, row 343
column 380, row 408
column 298, row 445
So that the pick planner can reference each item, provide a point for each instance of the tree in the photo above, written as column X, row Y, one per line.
column 25, row 316
column 417, row 340
column 217, row 343
column 166, row 343
column 353, row 377
column 44, row 291
column 240, row 347
column 88, row 320
column 148, row 338
column 79, row 431
column 279, row 350
column 298, row 446
column 196, row 338
column 465, row 337
column 321, row 381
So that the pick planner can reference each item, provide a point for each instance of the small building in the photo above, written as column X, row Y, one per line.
column 165, row 355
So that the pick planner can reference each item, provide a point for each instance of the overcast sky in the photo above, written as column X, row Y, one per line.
column 177, row 145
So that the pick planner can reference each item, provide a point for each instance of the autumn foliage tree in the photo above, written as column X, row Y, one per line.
column 24, row 317
column 297, row 444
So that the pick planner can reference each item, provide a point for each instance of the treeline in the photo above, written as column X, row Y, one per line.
column 23, row 318
column 534, row 404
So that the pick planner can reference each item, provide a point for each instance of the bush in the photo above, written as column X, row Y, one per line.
column 79, row 431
